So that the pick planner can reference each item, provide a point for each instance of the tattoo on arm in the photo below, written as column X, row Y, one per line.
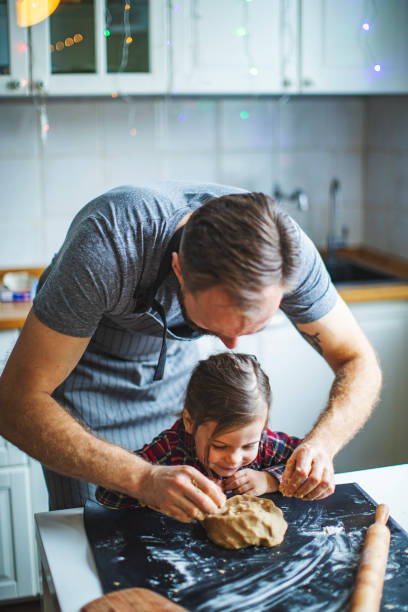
column 313, row 339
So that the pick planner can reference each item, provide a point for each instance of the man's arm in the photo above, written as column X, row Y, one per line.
column 354, row 393
column 32, row 420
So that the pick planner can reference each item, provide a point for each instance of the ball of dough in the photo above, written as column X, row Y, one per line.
column 246, row 520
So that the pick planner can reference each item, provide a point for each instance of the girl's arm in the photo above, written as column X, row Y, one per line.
column 275, row 449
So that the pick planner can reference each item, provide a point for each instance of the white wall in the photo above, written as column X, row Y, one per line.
column 386, row 176
column 298, row 142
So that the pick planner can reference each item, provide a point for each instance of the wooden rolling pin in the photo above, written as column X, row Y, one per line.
column 370, row 578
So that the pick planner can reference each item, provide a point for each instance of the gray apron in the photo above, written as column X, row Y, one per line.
column 119, row 388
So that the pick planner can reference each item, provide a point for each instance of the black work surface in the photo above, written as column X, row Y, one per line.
column 313, row 569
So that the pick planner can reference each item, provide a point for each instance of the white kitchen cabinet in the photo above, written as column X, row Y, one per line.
column 22, row 493
column 354, row 46
column 87, row 47
column 18, row 565
column 301, row 380
column 234, row 46
column 95, row 47
column 14, row 57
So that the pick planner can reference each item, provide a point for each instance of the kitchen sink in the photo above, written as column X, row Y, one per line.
column 344, row 271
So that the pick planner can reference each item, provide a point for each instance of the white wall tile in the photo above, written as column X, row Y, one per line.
column 377, row 228
column 387, row 123
column 55, row 230
column 139, row 169
column 401, row 200
column 381, row 179
column 70, row 183
column 21, row 242
column 247, row 124
column 304, row 124
column 252, row 171
column 18, row 130
column 399, row 237
column 20, row 188
column 192, row 166
column 73, row 128
column 187, row 124
column 128, row 126
column 346, row 124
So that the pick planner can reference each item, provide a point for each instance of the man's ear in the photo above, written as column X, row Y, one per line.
column 175, row 264
column 188, row 421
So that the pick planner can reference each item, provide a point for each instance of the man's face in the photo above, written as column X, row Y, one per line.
column 213, row 312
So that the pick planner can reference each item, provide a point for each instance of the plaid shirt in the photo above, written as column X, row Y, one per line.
column 176, row 447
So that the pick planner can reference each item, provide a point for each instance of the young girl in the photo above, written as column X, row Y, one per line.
column 222, row 431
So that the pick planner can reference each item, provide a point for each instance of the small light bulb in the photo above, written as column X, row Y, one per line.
column 253, row 71
column 127, row 7
column 244, row 114
column 241, row 32
column 377, row 67
column 366, row 26
column 106, row 32
column 114, row 94
column 129, row 40
column 46, row 128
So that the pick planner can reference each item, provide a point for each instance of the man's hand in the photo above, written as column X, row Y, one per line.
column 251, row 482
column 309, row 473
column 180, row 491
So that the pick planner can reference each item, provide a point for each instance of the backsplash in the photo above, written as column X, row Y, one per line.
column 386, row 174
column 253, row 142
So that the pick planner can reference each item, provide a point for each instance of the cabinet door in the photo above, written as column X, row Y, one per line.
column 354, row 46
column 10, row 455
column 96, row 47
column 383, row 440
column 13, row 52
column 234, row 46
column 17, row 567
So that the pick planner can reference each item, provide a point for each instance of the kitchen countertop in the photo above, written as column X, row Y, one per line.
column 12, row 316
column 68, row 564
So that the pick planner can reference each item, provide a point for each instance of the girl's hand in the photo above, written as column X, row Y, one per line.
column 251, row 482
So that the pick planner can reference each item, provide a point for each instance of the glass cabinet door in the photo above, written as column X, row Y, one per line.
column 102, row 47
column 13, row 52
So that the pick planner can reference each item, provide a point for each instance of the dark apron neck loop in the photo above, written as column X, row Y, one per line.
column 147, row 299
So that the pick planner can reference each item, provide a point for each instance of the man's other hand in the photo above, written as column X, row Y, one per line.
column 309, row 473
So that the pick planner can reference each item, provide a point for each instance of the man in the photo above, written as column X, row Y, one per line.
column 104, row 357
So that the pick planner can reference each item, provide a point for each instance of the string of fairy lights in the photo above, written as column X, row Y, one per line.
column 242, row 31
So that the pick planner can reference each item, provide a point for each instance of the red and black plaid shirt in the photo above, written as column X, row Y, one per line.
column 177, row 447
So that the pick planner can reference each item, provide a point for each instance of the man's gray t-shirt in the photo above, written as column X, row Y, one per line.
column 114, row 247
column 111, row 254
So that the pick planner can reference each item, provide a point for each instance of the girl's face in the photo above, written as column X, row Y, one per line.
column 229, row 450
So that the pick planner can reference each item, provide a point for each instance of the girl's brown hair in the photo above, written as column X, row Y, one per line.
column 228, row 388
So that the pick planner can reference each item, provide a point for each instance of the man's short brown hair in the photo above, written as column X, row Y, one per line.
column 242, row 242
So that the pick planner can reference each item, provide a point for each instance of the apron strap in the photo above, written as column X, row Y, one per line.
column 147, row 300
column 159, row 371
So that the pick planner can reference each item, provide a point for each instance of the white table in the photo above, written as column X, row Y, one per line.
column 69, row 573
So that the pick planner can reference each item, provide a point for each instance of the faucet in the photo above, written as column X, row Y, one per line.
column 334, row 243
column 299, row 196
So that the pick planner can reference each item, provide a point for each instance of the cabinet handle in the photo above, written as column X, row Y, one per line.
column 13, row 85
column 307, row 82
